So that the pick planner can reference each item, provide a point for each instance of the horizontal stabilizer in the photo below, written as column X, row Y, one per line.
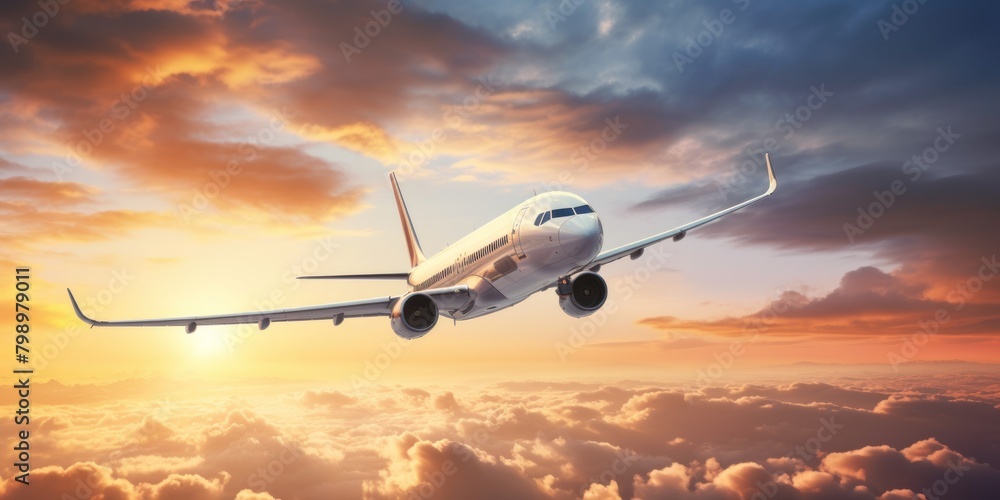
column 383, row 276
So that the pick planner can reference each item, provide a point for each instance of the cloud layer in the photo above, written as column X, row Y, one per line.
column 525, row 440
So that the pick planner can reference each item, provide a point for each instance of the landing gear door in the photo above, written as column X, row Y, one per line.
column 516, row 232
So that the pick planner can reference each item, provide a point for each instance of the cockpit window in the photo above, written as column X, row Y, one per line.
column 562, row 212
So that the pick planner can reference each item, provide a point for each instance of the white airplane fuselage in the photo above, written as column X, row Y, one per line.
column 508, row 259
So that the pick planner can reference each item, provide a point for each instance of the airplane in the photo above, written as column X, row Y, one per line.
column 552, row 240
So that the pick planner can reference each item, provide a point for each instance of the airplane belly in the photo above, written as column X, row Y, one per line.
column 539, row 265
column 486, row 298
column 536, row 279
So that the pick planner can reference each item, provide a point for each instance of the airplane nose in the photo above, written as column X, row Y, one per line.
column 581, row 236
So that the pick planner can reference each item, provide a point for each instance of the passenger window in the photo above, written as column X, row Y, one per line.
column 584, row 209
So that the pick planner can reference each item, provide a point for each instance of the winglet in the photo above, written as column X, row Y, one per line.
column 412, row 244
column 79, row 313
column 770, row 174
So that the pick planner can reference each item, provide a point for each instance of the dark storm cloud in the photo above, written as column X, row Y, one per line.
column 889, row 96
column 939, row 226
column 758, row 83
column 897, row 162
column 913, row 114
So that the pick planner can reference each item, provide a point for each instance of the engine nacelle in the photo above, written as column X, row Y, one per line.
column 584, row 295
column 414, row 315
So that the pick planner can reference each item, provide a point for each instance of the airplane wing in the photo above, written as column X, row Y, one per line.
column 635, row 249
column 449, row 298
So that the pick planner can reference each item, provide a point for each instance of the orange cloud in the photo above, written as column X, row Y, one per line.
column 49, row 193
column 143, row 105
column 638, row 440
column 26, row 225
column 868, row 301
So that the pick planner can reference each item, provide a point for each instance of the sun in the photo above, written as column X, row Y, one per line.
column 209, row 342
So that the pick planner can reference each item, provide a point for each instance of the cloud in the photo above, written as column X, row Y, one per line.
column 448, row 470
column 49, row 193
column 805, row 393
column 89, row 480
column 230, row 108
column 933, row 229
column 446, row 401
column 598, row 491
column 926, row 466
column 27, row 225
column 145, row 103
column 868, row 301
column 630, row 440
column 251, row 495
column 185, row 486
column 580, row 103
column 327, row 398
column 39, row 211
column 365, row 101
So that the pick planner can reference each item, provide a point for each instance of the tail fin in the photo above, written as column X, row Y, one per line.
column 412, row 244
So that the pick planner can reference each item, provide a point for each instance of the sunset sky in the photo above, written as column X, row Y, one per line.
column 172, row 158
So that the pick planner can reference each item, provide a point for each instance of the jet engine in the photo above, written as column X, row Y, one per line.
column 414, row 315
column 582, row 294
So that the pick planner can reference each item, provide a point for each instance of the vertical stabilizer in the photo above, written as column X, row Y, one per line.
column 412, row 244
